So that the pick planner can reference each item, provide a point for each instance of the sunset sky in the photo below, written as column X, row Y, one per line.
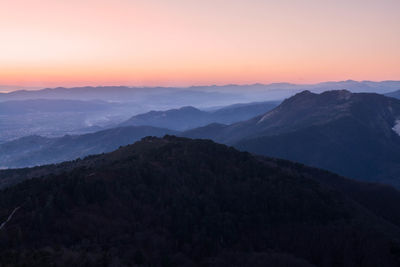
column 189, row 42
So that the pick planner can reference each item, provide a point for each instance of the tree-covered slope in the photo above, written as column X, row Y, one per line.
column 182, row 202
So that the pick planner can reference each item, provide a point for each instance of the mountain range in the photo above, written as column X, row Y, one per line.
column 55, row 118
column 160, row 97
column 226, row 94
column 189, row 117
column 352, row 134
column 37, row 150
column 179, row 202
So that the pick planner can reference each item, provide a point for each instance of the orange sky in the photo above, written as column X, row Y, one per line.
column 187, row 42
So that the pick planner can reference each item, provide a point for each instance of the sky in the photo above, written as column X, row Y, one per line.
column 48, row 43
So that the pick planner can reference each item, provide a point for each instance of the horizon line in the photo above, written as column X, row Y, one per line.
column 38, row 88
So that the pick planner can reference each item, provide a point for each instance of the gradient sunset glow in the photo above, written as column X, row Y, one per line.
column 185, row 42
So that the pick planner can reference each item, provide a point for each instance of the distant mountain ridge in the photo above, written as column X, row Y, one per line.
column 37, row 150
column 57, row 117
column 178, row 119
column 395, row 94
column 271, row 91
column 162, row 97
column 189, row 117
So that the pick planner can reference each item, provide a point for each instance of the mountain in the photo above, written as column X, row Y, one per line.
column 189, row 117
column 37, row 150
column 274, row 91
column 34, row 150
column 197, row 95
column 162, row 97
column 177, row 119
column 395, row 94
column 242, row 111
column 182, row 202
column 57, row 117
column 355, row 86
column 78, row 93
column 352, row 134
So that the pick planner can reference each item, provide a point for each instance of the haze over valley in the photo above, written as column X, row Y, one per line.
column 59, row 111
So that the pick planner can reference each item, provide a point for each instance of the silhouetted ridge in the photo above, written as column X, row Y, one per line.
column 180, row 202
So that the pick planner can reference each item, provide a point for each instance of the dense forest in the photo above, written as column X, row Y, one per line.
column 181, row 202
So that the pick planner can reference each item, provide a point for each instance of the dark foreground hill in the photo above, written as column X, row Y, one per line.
column 351, row 134
column 182, row 202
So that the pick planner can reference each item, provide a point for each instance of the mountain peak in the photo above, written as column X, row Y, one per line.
column 303, row 93
column 340, row 94
column 307, row 99
column 188, row 108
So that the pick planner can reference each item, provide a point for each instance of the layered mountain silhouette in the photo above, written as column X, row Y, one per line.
column 179, row 202
column 353, row 134
column 183, row 95
column 37, row 150
column 189, row 117
column 178, row 119
column 395, row 94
